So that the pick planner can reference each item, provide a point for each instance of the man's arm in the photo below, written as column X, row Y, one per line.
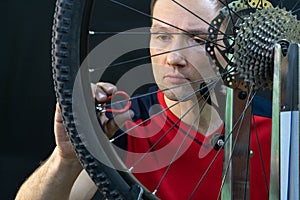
column 52, row 180
column 55, row 177
column 83, row 188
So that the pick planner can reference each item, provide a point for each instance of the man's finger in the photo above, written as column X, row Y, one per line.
column 113, row 124
column 102, row 90
column 108, row 88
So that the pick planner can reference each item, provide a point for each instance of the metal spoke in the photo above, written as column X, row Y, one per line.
column 158, row 113
column 166, row 133
column 181, row 144
column 91, row 70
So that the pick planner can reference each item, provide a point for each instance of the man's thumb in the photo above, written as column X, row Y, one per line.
column 117, row 122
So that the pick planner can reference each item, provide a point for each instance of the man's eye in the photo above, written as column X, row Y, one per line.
column 199, row 40
column 163, row 37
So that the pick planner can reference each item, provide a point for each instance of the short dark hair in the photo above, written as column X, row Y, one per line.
column 152, row 5
column 220, row 2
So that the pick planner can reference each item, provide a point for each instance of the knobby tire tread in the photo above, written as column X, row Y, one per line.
column 66, row 34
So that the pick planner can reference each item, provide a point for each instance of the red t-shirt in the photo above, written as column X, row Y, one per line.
column 166, row 133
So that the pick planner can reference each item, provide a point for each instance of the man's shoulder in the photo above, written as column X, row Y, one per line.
column 141, row 103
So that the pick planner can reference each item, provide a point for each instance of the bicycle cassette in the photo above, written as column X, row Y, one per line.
column 248, row 42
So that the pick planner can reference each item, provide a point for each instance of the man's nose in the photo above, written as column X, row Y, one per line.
column 176, row 59
column 176, row 55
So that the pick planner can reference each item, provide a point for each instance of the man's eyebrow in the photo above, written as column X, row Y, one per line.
column 198, row 31
column 194, row 31
column 161, row 28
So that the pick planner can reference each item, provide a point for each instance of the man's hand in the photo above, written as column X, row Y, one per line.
column 63, row 143
column 101, row 91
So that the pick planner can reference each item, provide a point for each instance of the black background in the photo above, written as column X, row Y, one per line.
column 26, row 94
column 27, row 99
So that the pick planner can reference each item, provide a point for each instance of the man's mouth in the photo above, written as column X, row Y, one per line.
column 175, row 78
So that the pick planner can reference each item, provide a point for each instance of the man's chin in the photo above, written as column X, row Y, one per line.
column 176, row 95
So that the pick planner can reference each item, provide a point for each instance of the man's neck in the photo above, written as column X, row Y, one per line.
column 202, row 116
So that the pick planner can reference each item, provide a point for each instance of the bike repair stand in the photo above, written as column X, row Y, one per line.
column 284, row 172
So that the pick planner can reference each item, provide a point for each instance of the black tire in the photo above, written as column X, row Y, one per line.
column 69, row 48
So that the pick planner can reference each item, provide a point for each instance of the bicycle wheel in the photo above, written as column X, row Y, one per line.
column 78, row 60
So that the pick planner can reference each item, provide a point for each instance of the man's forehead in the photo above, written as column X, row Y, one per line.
column 195, row 6
column 187, row 15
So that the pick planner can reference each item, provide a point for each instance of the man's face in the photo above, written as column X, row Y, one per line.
column 187, row 62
